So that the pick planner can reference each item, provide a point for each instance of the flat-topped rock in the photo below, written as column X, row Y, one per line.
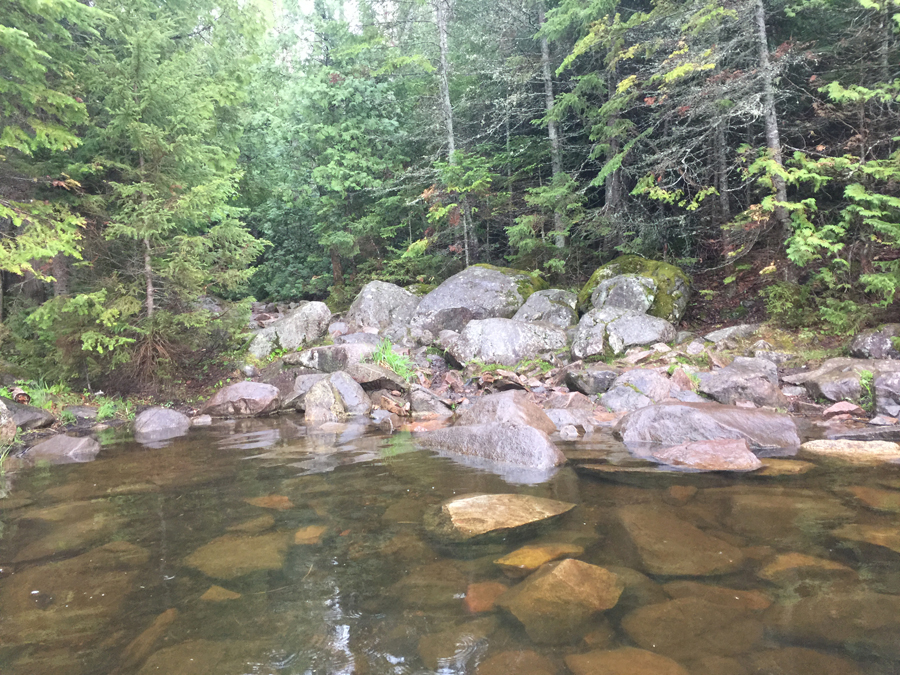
column 623, row 661
column 515, row 407
column 718, row 595
column 524, row 662
column 877, row 499
column 839, row 379
column 231, row 555
column 718, row 455
column 505, row 341
column 673, row 423
column 555, row 603
column 886, row 536
column 553, row 306
column 499, row 442
column 475, row 517
column 243, row 399
column 665, row 544
column 64, row 449
column 800, row 661
column 160, row 424
column 525, row 560
column 855, row 452
column 792, row 568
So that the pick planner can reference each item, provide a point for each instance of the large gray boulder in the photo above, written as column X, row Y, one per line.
column 7, row 424
column 500, row 442
column 615, row 329
column 669, row 297
column 331, row 358
column 243, row 399
column 745, row 379
column 590, row 381
column 635, row 389
column 552, row 306
column 839, row 379
column 505, row 341
column 876, row 344
column 627, row 291
column 296, row 399
column 509, row 406
column 675, row 423
column 334, row 399
column 64, row 450
column 28, row 416
column 379, row 305
column 160, row 424
column 301, row 326
column 478, row 292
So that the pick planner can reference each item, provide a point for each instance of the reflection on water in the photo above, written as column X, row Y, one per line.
column 261, row 546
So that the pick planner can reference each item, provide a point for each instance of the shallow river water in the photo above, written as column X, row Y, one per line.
column 257, row 547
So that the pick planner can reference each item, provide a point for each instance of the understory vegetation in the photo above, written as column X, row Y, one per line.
column 164, row 163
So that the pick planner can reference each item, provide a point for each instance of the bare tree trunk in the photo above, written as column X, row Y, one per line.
column 884, row 50
column 721, row 171
column 337, row 271
column 441, row 11
column 148, row 267
column 773, row 140
column 613, row 184
column 61, row 269
column 559, row 238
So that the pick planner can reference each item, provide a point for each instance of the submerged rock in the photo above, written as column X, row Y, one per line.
column 525, row 560
column 719, row 455
column 453, row 648
column 505, row 341
column 555, row 603
column 243, row 399
column 205, row 657
column 500, row 442
column 519, row 662
column 886, row 536
column 623, row 661
column 477, row 517
column 231, row 556
column 800, row 661
column 64, row 449
column 665, row 544
column 674, row 423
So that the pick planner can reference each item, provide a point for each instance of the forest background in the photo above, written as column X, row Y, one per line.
column 157, row 153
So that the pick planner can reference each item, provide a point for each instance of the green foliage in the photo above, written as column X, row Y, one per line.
column 67, row 418
column 867, row 390
column 400, row 363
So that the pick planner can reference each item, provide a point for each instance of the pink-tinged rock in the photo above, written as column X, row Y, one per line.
column 481, row 597
column 243, row 399
column 843, row 408
column 720, row 455
column 624, row 661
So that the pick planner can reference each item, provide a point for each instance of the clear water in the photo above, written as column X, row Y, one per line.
column 94, row 555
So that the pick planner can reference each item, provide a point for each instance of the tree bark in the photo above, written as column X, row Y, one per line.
column 721, row 172
column 773, row 139
column 559, row 238
column 61, row 268
column 441, row 11
column 148, row 266
column 613, row 184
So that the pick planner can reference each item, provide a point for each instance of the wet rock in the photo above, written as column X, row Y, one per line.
column 839, row 379
column 72, row 526
column 721, row 455
column 843, row 408
column 688, row 628
column 219, row 594
column 581, row 421
column 854, row 452
column 555, row 603
column 886, row 536
column 787, row 515
column 590, row 381
column 672, row 286
column 868, row 622
column 716, row 665
column 243, row 399
column 28, row 416
column 275, row 502
column 883, row 421
column 738, row 332
column 525, row 560
column 302, row 384
column 800, row 661
column 454, row 649
column 791, row 569
column 204, row 657
column 505, row 341
column 334, row 399
column 617, row 329
column 744, row 379
column 478, row 292
column 876, row 344
column 887, row 501
column 718, row 595
column 379, row 305
column 554, row 307
column 160, row 424
column 500, row 442
column 69, row 610
column 623, row 661
column 425, row 402
column 679, row 495
column 475, row 517
column 671, row 423
column 519, row 662
column 201, row 421
column 231, row 556
column 139, row 649
column 64, row 449
column 436, row 586
column 783, row 467
column 331, row 358
column 665, row 544
column 482, row 597
column 299, row 327
column 310, row 535
column 254, row 525
column 639, row 589
column 514, row 407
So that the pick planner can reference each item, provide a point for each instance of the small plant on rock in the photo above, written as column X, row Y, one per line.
column 867, row 390
column 400, row 363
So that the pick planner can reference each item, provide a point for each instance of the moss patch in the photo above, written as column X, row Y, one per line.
column 667, row 277
column 528, row 282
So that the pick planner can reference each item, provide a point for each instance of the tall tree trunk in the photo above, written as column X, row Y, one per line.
column 613, row 184
column 559, row 238
column 773, row 140
column 148, row 249
column 337, row 271
column 61, row 268
column 721, row 173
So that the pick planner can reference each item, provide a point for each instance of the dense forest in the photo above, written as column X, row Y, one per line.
column 158, row 154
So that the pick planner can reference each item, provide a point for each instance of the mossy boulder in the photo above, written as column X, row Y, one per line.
column 672, row 286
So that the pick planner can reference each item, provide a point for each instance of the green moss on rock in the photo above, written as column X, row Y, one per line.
column 528, row 282
column 671, row 283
